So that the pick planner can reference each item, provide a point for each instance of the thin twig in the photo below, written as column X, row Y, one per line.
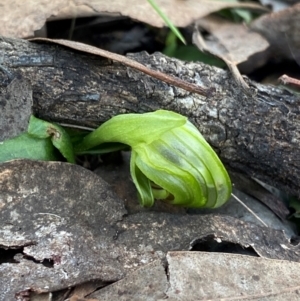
column 46, row 213
column 252, row 212
column 85, row 128
column 287, row 80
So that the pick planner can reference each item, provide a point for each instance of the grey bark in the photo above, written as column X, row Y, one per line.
column 256, row 132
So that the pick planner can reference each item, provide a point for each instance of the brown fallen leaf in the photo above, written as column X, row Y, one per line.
column 32, row 15
column 281, row 29
column 49, row 215
column 217, row 276
column 147, row 283
column 235, row 42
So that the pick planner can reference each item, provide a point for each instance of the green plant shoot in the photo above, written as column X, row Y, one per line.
column 170, row 159
column 61, row 140
column 38, row 143
column 167, row 21
column 25, row 146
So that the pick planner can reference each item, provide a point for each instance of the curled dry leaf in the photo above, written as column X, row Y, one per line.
column 235, row 42
column 32, row 15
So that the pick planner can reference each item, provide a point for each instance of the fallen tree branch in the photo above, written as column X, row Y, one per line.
column 257, row 132
column 169, row 79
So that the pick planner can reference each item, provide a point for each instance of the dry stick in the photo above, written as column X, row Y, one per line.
column 131, row 63
column 287, row 80
column 85, row 128
column 251, row 211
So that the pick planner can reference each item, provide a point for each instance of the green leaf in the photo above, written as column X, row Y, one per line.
column 246, row 15
column 132, row 129
column 104, row 149
column 27, row 147
column 294, row 203
column 42, row 129
column 183, row 156
column 216, row 175
column 192, row 53
column 167, row 21
column 141, row 182
column 171, row 176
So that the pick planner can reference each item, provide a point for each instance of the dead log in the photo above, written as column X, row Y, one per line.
column 256, row 132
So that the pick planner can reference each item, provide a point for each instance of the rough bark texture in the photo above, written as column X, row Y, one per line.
column 257, row 132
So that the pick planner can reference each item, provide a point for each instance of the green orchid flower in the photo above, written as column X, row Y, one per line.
column 170, row 159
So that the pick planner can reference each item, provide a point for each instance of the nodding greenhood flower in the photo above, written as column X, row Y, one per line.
column 170, row 159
